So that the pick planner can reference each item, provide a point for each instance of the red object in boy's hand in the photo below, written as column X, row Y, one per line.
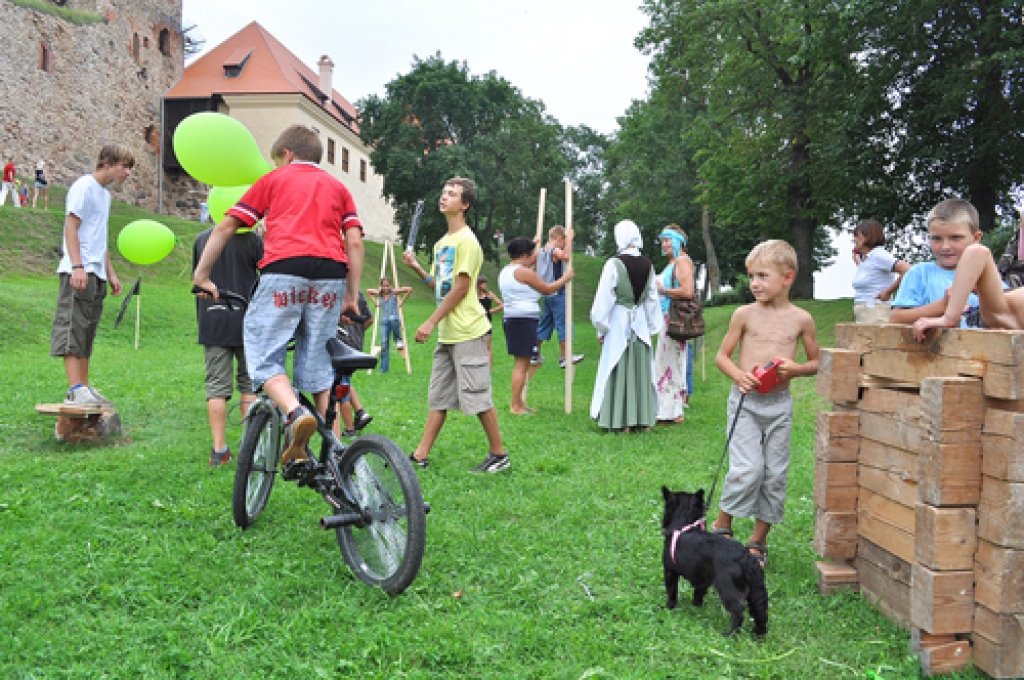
column 769, row 376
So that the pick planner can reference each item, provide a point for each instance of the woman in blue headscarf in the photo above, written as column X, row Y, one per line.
column 670, row 358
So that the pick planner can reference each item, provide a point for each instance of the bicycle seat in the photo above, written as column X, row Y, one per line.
column 346, row 360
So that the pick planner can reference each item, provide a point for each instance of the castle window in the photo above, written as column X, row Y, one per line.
column 45, row 58
column 135, row 46
column 344, row 159
column 330, row 151
column 145, row 42
column 164, row 42
column 362, row 170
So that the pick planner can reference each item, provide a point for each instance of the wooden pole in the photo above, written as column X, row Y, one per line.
column 138, row 316
column 374, row 348
column 401, row 314
column 540, row 215
column 570, row 367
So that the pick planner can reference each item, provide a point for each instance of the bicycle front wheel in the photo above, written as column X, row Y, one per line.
column 387, row 551
column 257, row 458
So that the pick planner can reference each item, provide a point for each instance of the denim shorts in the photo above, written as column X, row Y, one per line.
column 284, row 307
column 552, row 318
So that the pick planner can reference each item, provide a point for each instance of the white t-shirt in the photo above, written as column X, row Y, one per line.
column 520, row 299
column 89, row 202
column 873, row 275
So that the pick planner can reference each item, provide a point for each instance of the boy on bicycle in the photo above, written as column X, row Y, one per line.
column 313, row 259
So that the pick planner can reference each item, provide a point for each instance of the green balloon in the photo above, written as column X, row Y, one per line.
column 222, row 199
column 145, row 242
column 218, row 150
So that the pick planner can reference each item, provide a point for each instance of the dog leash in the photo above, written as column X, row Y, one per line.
column 728, row 440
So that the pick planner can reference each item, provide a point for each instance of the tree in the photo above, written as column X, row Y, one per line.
column 586, row 149
column 942, row 113
column 774, row 78
column 439, row 121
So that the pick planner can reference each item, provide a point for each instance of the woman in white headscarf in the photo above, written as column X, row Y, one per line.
column 626, row 314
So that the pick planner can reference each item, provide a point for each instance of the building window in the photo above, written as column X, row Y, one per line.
column 330, row 151
column 344, row 159
column 145, row 42
column 164, row 42
column 135, row 46
column 45, row 58
column 362, row 169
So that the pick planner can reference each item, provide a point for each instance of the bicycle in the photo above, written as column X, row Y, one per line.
column 379, row 516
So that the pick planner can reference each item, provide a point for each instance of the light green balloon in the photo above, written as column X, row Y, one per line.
column 218, row 150
column 145, row 241
column 222, row 199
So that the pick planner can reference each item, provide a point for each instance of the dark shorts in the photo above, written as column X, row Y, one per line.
column 77, row 317
column 221, row 362
column 521, row 336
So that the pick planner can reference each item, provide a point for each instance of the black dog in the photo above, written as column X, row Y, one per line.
column 705, row 559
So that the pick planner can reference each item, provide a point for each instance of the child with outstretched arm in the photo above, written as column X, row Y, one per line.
column 767, row 330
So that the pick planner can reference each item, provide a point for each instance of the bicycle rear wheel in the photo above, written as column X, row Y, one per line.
column 257, row 457
column 388, row 551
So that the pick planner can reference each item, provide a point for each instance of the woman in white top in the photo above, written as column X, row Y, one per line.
column 521, row 289
column 878, row 274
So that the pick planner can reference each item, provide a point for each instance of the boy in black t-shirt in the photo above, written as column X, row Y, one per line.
column 220, row 332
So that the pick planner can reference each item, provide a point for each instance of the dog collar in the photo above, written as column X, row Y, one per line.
column 678, row 532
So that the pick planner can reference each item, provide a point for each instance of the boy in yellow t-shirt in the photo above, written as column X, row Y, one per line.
column 461, row 375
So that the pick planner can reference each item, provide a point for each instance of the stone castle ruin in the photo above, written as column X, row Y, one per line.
column 70, row 85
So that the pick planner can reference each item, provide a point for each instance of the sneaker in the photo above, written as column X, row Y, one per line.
column 219, row 458
column 576, row 358
column 536, row 361
column 104, row 402
column 399, row 345
column 416, row 462
column 349, row 434
column 299, row 428
column 362, row 419
column 492, row 463
column 82, row 397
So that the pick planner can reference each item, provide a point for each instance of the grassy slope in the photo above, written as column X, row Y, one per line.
column 122, row 560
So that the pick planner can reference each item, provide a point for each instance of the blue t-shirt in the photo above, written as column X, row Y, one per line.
column 925, row 283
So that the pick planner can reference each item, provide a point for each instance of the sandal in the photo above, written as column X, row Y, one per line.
column 721, row 531
column 759, row 551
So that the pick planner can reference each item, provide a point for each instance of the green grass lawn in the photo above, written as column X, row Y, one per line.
column 122, row 560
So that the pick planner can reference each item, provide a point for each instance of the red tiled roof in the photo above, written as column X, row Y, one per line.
column 271, row 68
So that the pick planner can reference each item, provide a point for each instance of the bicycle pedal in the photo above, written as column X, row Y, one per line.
column 298, row 469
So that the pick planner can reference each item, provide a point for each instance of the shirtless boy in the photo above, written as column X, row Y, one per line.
column 767, row 330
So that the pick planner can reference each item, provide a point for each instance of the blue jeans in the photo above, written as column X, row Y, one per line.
column 389, row 328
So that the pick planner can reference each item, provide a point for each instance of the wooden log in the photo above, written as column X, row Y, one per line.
column 836, row 498
column 834, row 577
column 835, row 534
column 892, row 566
column 1000, row 347
column 837, row 436
column 902, row 405
column 892, row 485
column 945, row 538
column 886, row 524
column 950, row 474
column 1004, row 424
column 922, row 639
column 941, row 601
column 889, row 595
column 952, row 404
column 838, row 373
column 1000, row 458
column 1001, row 513
column 999, row 578
column 832, row 475
column 947, row 658
column 1000, row 381
column 76, row 430
column 889, row 459
column 998, row 643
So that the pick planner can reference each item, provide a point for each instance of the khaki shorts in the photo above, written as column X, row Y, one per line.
column 461, row 378
column 77, row 317
column 219, row 368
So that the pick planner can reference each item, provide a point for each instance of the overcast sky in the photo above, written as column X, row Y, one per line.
column 576, row 56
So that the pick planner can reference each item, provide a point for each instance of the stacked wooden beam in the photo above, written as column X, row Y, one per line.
column 919, row 485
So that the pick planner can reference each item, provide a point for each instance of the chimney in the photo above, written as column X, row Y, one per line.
column 326, row 74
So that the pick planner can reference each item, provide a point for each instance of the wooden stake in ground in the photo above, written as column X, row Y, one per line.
column 570, row 366
column 401, row 315
column 374, row 347
column 540, row 216
column 136, row 291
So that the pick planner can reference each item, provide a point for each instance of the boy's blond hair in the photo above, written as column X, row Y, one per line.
column 775, row 253
column 301, row 141
column 956, row 211
column 114, row 154
column 557, row 231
